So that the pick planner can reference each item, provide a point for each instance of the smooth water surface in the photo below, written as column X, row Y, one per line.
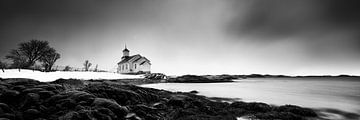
column 334, row 93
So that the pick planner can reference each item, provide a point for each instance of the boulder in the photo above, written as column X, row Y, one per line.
column 10, row 97
column 121, row 96
column 5, row 108
column 252, row 107
column 296, row 110
column 31, row 114
column 120, row 111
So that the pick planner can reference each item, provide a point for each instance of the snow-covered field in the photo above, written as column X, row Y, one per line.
column 51, row 76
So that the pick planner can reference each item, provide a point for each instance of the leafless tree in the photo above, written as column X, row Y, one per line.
column 87, row 65
column 28, row 53
column 67, row 68
column 96, row 68
column 49, row 58
column 3, row 65
column 19, row 61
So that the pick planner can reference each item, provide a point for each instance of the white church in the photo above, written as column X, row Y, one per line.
column 135, row 64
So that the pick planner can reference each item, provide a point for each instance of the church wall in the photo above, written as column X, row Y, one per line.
column 145, row 67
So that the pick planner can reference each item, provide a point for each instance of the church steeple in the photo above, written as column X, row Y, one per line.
column 126, row 52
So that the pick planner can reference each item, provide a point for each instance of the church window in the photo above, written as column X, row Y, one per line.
column 135, row 66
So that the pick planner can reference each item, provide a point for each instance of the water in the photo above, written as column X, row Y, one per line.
column 335, row 93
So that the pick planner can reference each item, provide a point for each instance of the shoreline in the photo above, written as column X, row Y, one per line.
column 77, row 99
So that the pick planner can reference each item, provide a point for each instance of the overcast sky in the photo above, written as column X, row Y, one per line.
column 291, row 37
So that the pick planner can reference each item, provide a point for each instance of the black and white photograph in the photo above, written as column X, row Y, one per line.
column 179, row 60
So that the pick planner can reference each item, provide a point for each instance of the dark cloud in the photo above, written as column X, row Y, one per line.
column 288, row 17
column 325, row 25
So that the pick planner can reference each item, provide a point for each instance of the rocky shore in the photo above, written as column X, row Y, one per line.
column 202, row 79
column 26, row 99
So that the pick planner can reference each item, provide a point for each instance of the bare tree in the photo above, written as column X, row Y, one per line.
column 28, row 53
column 96, row 68
column 49, row 58
column 3, row 65
column 87, row 65
column 19, row 61
column 67, row 68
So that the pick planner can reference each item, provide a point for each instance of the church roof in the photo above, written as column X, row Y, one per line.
column 128, row 58
column 138, row 59
column 126, row 50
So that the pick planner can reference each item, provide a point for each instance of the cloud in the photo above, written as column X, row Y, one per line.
column 325, row 25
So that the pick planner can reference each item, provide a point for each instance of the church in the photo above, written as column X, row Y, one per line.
column 135, row 64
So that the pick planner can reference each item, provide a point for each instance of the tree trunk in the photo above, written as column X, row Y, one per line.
column 49, row 67
column 46, row 68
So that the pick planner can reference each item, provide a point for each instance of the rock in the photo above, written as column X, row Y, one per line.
column 120, row 111
column 278, row 115
column 70, row 82
column 19, row 87
column 121, row 96
column 145, row 112
column 104, row 100
column 10, row 97
column 296, row 110
column 5, row 108
column 200, row 79
column 66, row 103
column 32, row 90
column 70, row 116
column 254, row 106
column 79, row 107
column 32, row 114
column 106, row 111
column 74, row 96
column 194, row 92
column 22, row 81
column 132, row 116
column 155, row 76
column 176, row 102
column 31, row 99
column 180, row 113
column 8, row 116
column 160, row 105
column 56, row 88
column 45, row 94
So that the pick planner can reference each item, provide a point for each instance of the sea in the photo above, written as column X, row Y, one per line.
column 332, row 97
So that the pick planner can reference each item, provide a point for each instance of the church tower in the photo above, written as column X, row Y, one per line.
column 126, row 53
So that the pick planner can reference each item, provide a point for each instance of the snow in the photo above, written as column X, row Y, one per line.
column 52, row 76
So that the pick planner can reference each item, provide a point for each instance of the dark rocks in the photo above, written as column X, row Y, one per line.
column 194, row 92
column 264, row 111
column 201, row 79
column 9, row 96
column 6, row 111
column 145, row 112
column 7, row 116
column 252, row 107
column 24, row 99
column 296, row 110
column 155, row 76
column 69, row 82
column 4, row 108
column 177, row 101
column 118, row 110
column 31, row 114
column 189, row 79
column 121, row 96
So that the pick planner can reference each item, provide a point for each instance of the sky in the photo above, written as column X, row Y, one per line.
column 289, row 37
